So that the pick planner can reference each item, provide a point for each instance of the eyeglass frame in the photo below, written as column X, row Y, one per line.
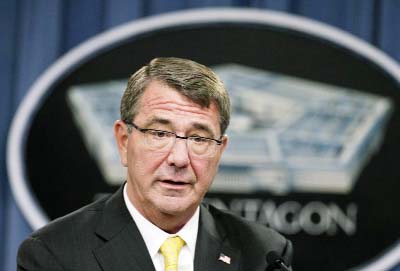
column 144, row 130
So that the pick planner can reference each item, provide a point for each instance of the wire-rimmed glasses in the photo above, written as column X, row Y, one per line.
column 160, row 140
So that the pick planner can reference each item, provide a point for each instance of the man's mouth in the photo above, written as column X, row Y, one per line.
column 174, row 184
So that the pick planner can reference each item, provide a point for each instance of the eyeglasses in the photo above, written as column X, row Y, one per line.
column 160, row 140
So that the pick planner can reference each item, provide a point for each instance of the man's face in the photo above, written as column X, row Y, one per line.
column 169, row 182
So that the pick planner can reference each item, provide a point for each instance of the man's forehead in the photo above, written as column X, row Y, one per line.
column 157, row 91
column 161, row 96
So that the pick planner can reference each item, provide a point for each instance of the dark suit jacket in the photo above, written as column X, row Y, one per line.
column 103, row 236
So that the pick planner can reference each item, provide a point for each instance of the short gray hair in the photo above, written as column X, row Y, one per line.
column 193, row 80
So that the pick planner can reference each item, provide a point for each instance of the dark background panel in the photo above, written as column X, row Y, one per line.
column 38, row 32
column 66, row 174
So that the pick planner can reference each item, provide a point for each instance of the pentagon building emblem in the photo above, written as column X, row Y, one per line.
column 287, row 134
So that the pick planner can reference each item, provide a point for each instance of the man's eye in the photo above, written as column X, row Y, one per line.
column 199, row 139
column 159, row 134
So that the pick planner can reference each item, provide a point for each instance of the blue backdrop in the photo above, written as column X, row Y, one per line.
column 36, row 33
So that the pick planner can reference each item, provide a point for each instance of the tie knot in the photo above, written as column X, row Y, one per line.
column 170, row 250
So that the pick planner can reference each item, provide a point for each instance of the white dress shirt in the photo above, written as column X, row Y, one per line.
column 154, row 237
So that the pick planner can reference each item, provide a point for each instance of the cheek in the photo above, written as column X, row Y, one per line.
column 143, row 162
column 204, row 170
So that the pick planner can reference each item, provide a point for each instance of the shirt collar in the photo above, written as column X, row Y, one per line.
column 154, row 236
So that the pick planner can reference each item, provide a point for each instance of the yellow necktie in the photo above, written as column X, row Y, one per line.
column 170, row 251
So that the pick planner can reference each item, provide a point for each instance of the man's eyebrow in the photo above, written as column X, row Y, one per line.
column 203, row 127
column 156, row 120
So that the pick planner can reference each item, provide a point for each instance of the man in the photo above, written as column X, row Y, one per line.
column 174, row 114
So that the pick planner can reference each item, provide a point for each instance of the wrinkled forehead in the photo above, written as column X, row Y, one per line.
column 160, row 101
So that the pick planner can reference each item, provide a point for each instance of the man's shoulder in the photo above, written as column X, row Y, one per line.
column 233, row 222
column 78, row 222
column 63, row 241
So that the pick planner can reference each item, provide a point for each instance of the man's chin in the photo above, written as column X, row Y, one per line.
column 176, row 206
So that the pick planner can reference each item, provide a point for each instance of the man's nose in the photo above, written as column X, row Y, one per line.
column 179, row 154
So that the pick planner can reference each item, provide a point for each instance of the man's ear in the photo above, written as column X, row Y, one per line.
column 224, row 144
column 121, row 137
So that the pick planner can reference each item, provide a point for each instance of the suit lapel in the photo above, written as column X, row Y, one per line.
column 213, row 252
column 124, row 247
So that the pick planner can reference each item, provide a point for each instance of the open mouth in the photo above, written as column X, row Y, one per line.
column 174, row 182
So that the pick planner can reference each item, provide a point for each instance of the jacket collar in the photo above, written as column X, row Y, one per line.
column 124, row 248
column 213, row 250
